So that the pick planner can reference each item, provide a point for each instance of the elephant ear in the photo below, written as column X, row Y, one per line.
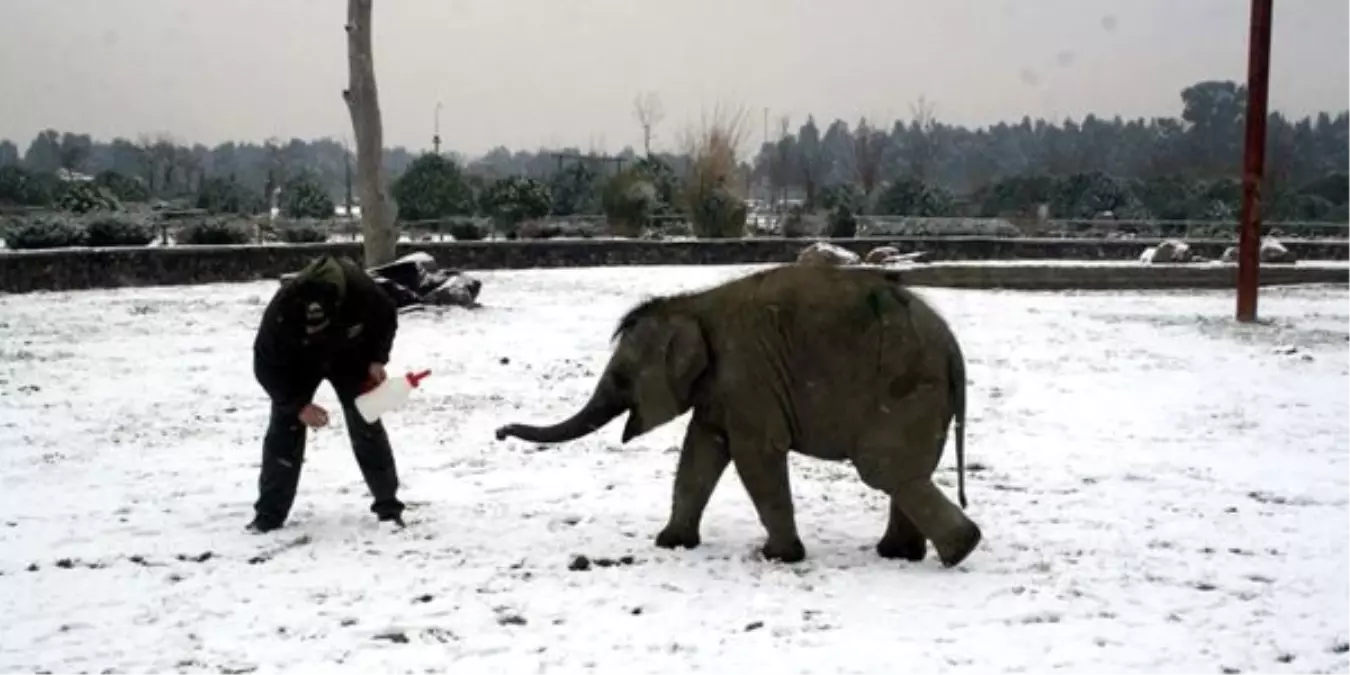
column 686, row 356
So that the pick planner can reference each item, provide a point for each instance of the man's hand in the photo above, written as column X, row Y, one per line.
column 377, row 375
column 313, row 416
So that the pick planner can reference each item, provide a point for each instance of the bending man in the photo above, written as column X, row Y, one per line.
column 331, row 322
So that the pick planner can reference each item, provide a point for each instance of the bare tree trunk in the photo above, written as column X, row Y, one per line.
column 377, row 209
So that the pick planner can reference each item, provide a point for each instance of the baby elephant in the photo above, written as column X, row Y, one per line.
column 835, row 363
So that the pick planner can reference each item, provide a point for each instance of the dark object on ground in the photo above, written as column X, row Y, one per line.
column 414, row 280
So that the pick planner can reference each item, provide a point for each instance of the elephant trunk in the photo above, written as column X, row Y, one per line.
column 603, row 406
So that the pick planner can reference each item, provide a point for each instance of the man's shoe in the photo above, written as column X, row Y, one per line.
column 395, row 518
column 260, row 526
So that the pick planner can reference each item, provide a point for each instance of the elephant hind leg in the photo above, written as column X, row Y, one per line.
column 902, row 540
column 953, row 534
column 898, row 457
column 919, row 512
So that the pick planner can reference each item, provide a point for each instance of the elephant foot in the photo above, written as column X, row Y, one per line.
column 926, row 510
column 911, row 548
column 672, row 537
column 789, row 552
column 957, row 547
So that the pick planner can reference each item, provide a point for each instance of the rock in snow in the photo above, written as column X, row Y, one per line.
column 1272, row 251
column 823, row 253
column 1169, row 251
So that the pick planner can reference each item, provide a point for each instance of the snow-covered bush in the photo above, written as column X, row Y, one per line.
column 465, row 229
column 304, row 197
column 305, row 231
column 44, row 231
column 86, row 197
column 432, row 187
column 512, row 200
column 124, row 188
column 843, row 222
column 717, row 213
column 793, row 222
column 214, row 232
column 629, row 201
column 108, row 229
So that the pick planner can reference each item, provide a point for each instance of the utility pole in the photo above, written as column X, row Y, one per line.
column 436, row 130
column 1253, row 161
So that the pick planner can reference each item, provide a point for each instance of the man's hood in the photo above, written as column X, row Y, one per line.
column 319, row 290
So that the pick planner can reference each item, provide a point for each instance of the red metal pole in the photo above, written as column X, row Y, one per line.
column 1253, row 161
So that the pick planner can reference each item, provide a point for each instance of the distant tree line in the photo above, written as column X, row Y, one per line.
column 1185, row 167
column 1160, row 168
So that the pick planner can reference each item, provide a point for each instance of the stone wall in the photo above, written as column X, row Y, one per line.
column 73, row 269
column 1040, row 277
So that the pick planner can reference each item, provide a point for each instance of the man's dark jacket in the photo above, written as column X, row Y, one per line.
column 357, row 321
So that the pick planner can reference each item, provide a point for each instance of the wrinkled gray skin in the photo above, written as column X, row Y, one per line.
column 835, row 363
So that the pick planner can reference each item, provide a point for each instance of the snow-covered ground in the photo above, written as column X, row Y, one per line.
column 1160, row 490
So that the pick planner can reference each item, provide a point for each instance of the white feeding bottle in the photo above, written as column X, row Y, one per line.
column 388, row 395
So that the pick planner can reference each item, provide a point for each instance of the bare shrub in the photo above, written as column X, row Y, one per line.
column 714, row 187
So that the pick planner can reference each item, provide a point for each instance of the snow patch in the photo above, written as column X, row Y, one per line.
column 1158, row 487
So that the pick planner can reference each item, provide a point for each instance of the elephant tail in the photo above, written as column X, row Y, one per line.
column 956, row 376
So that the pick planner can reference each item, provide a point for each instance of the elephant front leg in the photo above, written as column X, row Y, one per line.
column 764, row 472
column 703, row 460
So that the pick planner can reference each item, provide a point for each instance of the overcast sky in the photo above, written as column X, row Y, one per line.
column 526, row 73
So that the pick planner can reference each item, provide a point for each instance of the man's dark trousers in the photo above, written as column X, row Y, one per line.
column 284, row 453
